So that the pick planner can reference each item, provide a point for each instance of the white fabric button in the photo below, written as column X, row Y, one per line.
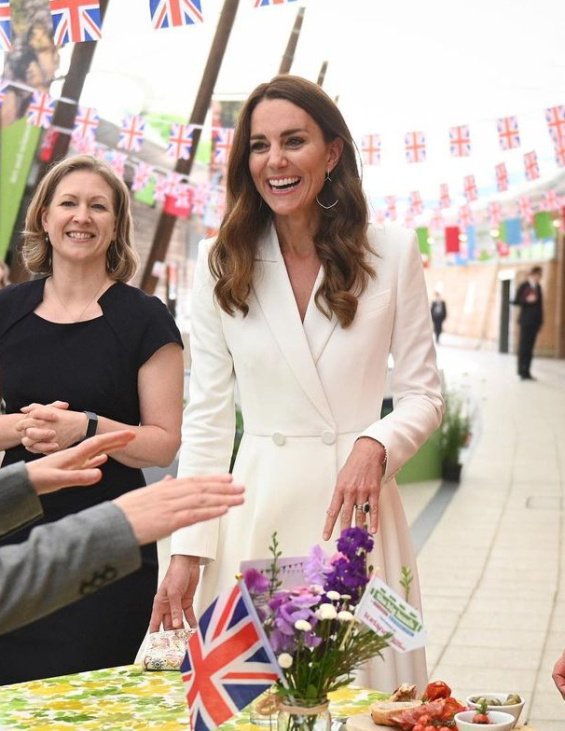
column 328, row 437
column 279, row 439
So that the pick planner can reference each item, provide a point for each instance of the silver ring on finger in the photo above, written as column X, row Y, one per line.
column 362, row 507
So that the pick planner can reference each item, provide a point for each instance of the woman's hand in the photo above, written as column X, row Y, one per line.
column 175, row 597
column 40, row 428
column 358, row 482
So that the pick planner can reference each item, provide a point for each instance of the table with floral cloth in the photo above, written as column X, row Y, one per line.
column 124, row 699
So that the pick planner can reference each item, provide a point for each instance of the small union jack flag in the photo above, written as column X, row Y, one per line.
column 560, row 155
column 141, row 176
column 460, row 141
column 470, row 188
column 86, row 122
column 555, row 117
column 465, row 216
column 75, row 21
column 371, row 149
column 495, row 213
column 526, row 209
column 84, row 145
column 223, row 141
column 390, row 201
column 229, row 660
column 41, row 109
column 200, row 199
column 531, row 165
column 264, row 3
column 508, row 132
column 501, row 177
column 117, row 161
column 5, row 26
column 409, row 220
column 416, row 204
column 132, row 133
column 180, row 141
column 171, row 13
column 552, row 201
column 436, row 222
column 415, row 145
column 161, row 188
column 444, row 197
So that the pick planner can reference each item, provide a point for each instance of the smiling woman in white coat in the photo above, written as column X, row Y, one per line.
column 298, row 303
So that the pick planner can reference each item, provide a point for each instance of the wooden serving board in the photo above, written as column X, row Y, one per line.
column 364, row 722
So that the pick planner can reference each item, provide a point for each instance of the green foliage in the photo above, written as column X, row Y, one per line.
column 455, row 428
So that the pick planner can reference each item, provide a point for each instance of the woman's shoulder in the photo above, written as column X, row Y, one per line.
column 19, row 299
column 388, row 236
column 120, row 294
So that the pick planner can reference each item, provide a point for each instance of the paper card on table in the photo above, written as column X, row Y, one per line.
column 383, row 610
column 291, row 569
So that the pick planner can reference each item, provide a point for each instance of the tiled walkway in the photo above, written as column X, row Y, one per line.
column 492, row 569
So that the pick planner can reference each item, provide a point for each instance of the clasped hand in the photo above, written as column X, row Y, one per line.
column 46, row 428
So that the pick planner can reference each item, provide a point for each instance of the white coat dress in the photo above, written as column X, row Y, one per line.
column 307, row 391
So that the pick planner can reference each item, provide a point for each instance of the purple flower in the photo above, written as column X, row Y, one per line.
column 348, row 573
column 256, row 582
column 354, row 541
column 317, row 566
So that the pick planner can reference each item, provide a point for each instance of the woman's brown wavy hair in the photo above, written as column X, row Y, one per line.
column 341, row 240
column 121, row 258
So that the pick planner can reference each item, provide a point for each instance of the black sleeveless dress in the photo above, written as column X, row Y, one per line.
column 94, row 366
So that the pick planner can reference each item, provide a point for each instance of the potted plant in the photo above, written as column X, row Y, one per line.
column 454, row 435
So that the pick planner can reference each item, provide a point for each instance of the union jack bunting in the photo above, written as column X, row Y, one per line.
column 525, row 208
column 436, row 222
column 560, row 155
column 141, row 176
column 86, row 122
column 41, row 109
column 5, row 26
column 75, row 21
column 551, row 201
column 555, row 117
column 200, row 199
column 390, row 201
column 416, row 204
column 470, row 188
column 415, row 145
column 180, row 141
column 229, row 661
column 371, row 149
column 531, row 165
column 460, row 141
column 132, row 133
column 223, row 141
column 264, row 3
column 84, row 145
column 161, row 188
column 379, row 216
column 171, row 13
column 501, row 177
column 409, row 219
column 508, row 132
column 465, row 216
column 184, row 196
column 495, row 213
column 444, row 197
column 117, row 161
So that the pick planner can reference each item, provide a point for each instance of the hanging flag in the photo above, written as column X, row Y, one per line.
column 84, row 145
column 75, row 21
column 465, row 216
column 161, row 188
column 502, row 248
column 555, row 117
column 560, row 155
column 510, row 231
column 180, row 141
column 452, row 241
column 371, row 149
column 471, row 232
column 171, row 13
column 264, row 3
column 415, row 145
column 436, row 222
column 132, row 133
column 470, row 188
column 409, row 219
column 531, row 165
column 86, row 122
column 444, row 199
column 551, row 200
column 141, row 176
column 424, row 242
column 460, row 141
column 390, row 201
column 5, row 26
column 223, row 141
column 525, row 209
column 200, row 199
column 229, row 661
column 508, row 132
column 416, row 204
column 117, row 161
column 495, row 213
column 179, row 203
column 41, row 109
column 543, row 225
column 501, row 177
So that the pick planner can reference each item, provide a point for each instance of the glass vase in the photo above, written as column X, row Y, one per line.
column 304, row 715
column 263, row 710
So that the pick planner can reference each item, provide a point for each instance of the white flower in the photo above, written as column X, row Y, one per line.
column 346, row 597
column 302, row 625
column 333, row 596
column 345, row 616
column 285, row 660
column 326, row 611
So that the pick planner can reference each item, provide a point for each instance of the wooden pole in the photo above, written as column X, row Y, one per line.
column 167, row 221
column 288, row 55
column 322, row 74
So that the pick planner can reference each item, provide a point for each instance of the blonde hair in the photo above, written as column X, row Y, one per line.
column 122, row 260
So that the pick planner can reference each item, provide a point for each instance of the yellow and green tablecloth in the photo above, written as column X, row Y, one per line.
column 124, row 699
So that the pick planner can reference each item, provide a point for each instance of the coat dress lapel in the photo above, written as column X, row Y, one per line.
column 274, row 294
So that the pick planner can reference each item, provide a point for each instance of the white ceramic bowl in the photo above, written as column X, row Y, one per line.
column 514, row 710
column 499, row 721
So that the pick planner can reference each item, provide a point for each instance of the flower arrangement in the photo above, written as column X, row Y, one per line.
column 312, row 629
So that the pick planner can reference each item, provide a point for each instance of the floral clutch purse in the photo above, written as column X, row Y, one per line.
column 165, row 650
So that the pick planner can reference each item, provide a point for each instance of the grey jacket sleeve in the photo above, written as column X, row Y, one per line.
column 63, row 561
column 19, row 504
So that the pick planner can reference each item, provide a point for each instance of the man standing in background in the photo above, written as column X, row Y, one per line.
column 529, row 299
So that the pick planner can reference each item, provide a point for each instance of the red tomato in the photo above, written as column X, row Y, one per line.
column 437, row 689
column 419, row 727
column 424, row 719
column 430, row 728
column 480, row 718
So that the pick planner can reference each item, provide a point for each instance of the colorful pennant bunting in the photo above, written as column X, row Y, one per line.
column 460, row 141
column 525, row 208
column 132, row 133
column 494, row 213
column 264, row 3
column 508, row 132
column 41, row 109
column 531, row 165
column 416, row 204
column 555, row 117
column 444, row 198
column 415, row 146
column 551, row 200
column 390, row 201
column 371, row 149
column 171, row 13
column 75, row 21
column 501, row 177
column 180, row 141
column 141, row 176
column 436, row 222
column 452, row 241
column 543, row 225
column 86, row 122
column 465, row 216
column 5, row 26
column 223, row 142
column 470, row 188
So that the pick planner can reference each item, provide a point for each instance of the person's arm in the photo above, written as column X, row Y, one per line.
column 11, row 435
column 160, row 388
column 19, row 504
column 64, row 561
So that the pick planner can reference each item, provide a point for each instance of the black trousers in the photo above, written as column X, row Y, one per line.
column 528, row 334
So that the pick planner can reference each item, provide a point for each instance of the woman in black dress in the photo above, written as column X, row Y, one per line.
column 81, row 352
